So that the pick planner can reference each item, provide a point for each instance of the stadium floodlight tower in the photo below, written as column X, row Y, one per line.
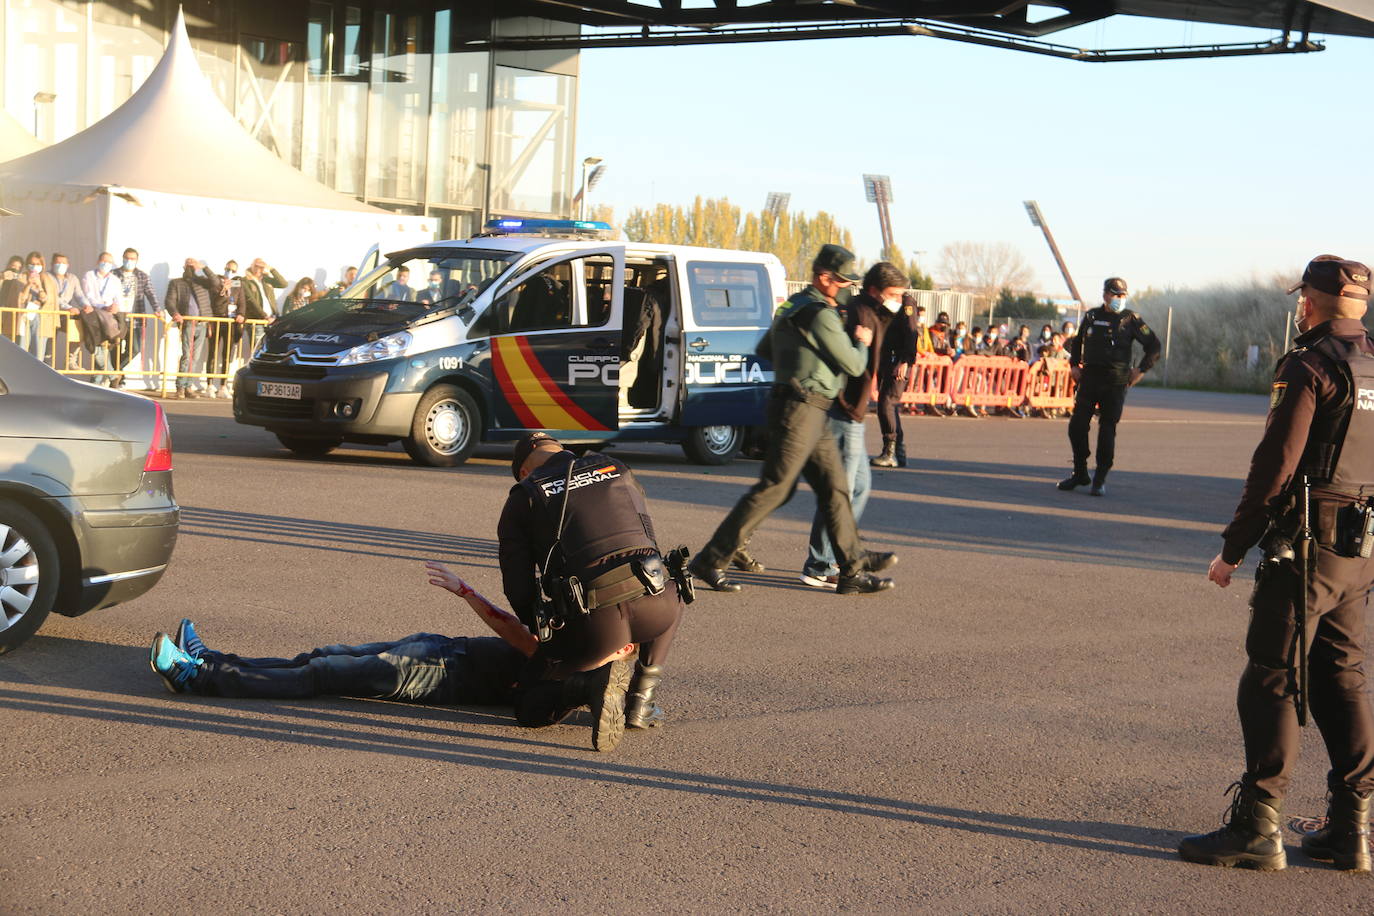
column 775, row 205
column 878, row 190
column 1038, row 220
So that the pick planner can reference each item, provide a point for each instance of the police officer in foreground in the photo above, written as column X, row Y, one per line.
column 811, row 356
column 1100, row 357
column 1307, row 502
column 581, row 568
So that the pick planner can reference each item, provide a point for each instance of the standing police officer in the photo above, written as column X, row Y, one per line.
column 1318, row 440
column 581, row 568
column 811, row 355
column 1100, row 357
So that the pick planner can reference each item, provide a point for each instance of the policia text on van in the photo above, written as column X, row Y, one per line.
column 486, row 339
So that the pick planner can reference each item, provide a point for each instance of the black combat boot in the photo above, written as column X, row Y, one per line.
column 1079, row 478
column 901, row 454
column 640, row 711
column 1099, row 483
column 888, row 458
column 603, row 692
column 1250, row 837
column 1344, row 841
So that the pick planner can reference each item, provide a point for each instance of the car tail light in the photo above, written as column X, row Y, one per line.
column 160, row 451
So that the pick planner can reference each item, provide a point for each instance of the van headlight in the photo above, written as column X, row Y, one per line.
column 387, row 347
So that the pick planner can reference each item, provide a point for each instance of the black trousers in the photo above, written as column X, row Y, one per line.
column 649, row 620
column 1338, row 699
column 1100, row 392
column 890, row 410
column 799, row 445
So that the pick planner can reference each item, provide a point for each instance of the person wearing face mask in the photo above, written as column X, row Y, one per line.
column 899, row 349
column 811, row 354
column 302, row 294
column 138, row 299
column 434, row 289
column 1100, row 359
column 878, row 308
column 1318, row 441
column 39, row 300
column 71, row 301
column 11, row 282
column 104, row 294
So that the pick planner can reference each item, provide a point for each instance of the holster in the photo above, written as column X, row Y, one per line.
column 676, row 561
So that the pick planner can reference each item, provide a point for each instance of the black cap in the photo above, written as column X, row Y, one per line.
column 524, row 447
column 1114, row 285
column 1335, row 276
column 838, row 260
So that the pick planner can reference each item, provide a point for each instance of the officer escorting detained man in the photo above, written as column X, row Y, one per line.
column 811, row 356
column 1100, row 361
column 1319, row 441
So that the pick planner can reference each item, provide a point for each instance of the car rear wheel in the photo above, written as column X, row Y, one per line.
column 306, row 447
column 30, row 573
column 713, row 444
column 446, row 427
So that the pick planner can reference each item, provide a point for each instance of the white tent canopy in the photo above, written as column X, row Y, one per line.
column 15, row 139
column 172, row 174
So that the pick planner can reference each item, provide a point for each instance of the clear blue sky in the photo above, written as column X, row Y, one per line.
column 1168, row 173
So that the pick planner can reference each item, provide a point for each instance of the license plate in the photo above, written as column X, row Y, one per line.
column 279, row 390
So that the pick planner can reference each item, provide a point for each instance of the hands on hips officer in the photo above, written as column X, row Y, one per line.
column 1318, row 441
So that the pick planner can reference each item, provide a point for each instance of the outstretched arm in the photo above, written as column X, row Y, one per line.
column 505, row 624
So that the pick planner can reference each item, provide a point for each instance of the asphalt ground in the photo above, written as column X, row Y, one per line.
column 1027, row 724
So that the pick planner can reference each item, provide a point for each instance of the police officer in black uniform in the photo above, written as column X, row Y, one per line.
column 581, row 568
column 1318, row 440
column 1100, row 357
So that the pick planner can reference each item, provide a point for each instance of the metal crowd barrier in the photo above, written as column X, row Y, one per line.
column 987, row 381
column 150, row 352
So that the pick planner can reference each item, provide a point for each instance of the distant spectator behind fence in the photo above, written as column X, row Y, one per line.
column 302, row 294
column 191, row 295
column 138, row 299
column 38, row 298
column 71, row 301
column 349, row 275
column 11, row 282
column 258, row 303
column 105, row 295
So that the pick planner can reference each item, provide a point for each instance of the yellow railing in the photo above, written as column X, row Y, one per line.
column 150, row 352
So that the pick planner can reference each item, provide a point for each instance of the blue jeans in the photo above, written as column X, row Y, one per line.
column 420, row 668
column 849, row 436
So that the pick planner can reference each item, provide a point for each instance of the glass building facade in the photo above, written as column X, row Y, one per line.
column 382, row 101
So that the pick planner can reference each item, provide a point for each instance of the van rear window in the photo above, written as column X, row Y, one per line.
column 729, row 295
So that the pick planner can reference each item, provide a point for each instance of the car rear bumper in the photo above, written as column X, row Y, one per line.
column 124, row 552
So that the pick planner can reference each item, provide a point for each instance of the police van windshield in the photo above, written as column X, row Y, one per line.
column 417, row 283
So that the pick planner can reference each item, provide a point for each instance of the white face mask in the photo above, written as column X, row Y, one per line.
column 892, row 305
column 59, row 269
column 130, row 263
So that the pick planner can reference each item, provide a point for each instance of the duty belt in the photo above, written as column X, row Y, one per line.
column 641, row 576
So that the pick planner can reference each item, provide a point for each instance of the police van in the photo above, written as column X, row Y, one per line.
column 545, row 325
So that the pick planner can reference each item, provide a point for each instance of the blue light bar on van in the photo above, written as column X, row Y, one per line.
column 547, row 227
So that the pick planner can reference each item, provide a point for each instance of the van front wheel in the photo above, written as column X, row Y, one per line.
column 713, row 444
column 445, row 429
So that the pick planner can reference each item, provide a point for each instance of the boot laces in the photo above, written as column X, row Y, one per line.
column 1236, row 790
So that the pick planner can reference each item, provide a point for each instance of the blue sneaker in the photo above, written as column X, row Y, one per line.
column 188, row 640
column 174, row 666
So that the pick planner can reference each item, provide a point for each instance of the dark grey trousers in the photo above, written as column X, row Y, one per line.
column 799, row 445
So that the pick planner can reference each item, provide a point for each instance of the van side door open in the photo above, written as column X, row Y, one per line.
column 555, row 344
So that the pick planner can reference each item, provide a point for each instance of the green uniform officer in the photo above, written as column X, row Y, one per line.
column 811, row 356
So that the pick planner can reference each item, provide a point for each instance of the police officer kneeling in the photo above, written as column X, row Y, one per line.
column 1311, row 479
column 581, row 568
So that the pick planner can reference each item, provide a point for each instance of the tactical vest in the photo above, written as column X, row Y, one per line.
column 606, row 513
column 1107, row 337
column 1340, row 445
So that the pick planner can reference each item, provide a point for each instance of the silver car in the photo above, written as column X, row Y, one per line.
column 87, row 517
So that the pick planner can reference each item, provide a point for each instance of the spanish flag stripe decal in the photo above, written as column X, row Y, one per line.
column 581, row 419
column 507, row 388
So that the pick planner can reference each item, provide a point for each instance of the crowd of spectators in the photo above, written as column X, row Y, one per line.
column 94, row 323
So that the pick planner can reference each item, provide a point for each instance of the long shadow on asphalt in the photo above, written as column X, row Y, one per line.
column 326, row 728
column 334, row 537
